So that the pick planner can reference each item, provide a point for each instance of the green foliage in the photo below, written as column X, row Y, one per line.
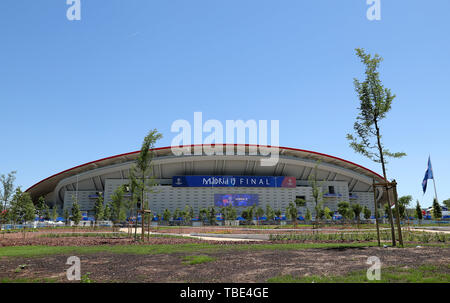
column 367, row 213
column 278, row 213
column 446, row 203
column 85, row 278
column 188, row 213
column 107, row 212
column 327, row 213
column 420, row 274
column 345, row 210
column 166, row 215
column 203, row 214
column 54, row 215
column 22, row 207
column 76, row 213
column 437, row 210
column 357, row 209
column 419, row 214
column 292, row 212
column 375, row 103
column 7, row 189
column 42, row 209
column 141, row 174
column 317, row 193
column 176, row 214
column 66, row 216
column 118, row 206
column 300, row 202
column 386, row 210
column 212, row 215
column 270, row 213
column 403, row 203
column 259, row 212
column 192, row 260
column 229, row 212
column 405, row 200
column 98, row 208
column 308, row 215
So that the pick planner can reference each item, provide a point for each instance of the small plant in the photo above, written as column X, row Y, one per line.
column 191, row 260
column 85, row 278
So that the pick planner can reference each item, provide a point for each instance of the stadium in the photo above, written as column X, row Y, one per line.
column 204, row 180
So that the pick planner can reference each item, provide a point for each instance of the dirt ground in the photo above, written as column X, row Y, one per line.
column 231, row 266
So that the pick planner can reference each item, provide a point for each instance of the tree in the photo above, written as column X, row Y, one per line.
column 292, row 213
column 308, row 215
column 387, row 211
column 166, row 215
column 437, row 210
column 270, row 213
column 327, row 213
column 176, row 214
column 54, row 215
column 203, row 214
column 446, row 203
column 229, row 212
column 22, row 207
column 212, row 215
column 259, row 212
column 188, row 214
column 367, row 213
column 76, row 214
column 403, row 203
column 419, row 211
column 316, row 192
column 357, row 209
column 118, row 207
column 250, row 211
column 344, row 210
column 107, row 212
column 6, row 193
column 375, row 102
column 98, row 208
column 142, row 171
column 66, row 216
column 42, row 210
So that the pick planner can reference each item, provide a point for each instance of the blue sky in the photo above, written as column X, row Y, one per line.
column 76, row 91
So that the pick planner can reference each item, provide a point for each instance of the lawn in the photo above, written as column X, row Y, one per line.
column 421, row 274
column 38, row 250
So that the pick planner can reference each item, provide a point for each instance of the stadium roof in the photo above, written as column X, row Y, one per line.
column 47, row 185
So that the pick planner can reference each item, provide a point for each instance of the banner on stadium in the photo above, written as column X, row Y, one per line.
column 233, row 181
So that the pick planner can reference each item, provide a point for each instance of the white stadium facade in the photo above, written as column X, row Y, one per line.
column 209, row 180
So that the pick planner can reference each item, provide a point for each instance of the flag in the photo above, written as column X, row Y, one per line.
column 428, row 175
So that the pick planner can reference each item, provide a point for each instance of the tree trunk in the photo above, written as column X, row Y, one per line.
column 380, row 150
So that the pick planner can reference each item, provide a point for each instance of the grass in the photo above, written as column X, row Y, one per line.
column 408, row 236
column 40, row 250
column 421, row 274
column 191, row 260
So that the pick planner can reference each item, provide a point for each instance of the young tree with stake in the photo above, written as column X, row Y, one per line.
column 142, row 171
column 375, row 102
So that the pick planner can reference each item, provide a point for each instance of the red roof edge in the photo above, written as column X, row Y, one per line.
column 193, row 145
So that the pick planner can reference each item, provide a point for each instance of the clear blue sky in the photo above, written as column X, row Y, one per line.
column 73, row 92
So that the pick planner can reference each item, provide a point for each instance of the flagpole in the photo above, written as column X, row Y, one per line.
column 434, row 182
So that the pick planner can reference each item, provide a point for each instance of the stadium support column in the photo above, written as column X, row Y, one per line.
column 376, row 211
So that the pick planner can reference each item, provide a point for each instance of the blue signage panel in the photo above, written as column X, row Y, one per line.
column 233, row 181
column 236, row 200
